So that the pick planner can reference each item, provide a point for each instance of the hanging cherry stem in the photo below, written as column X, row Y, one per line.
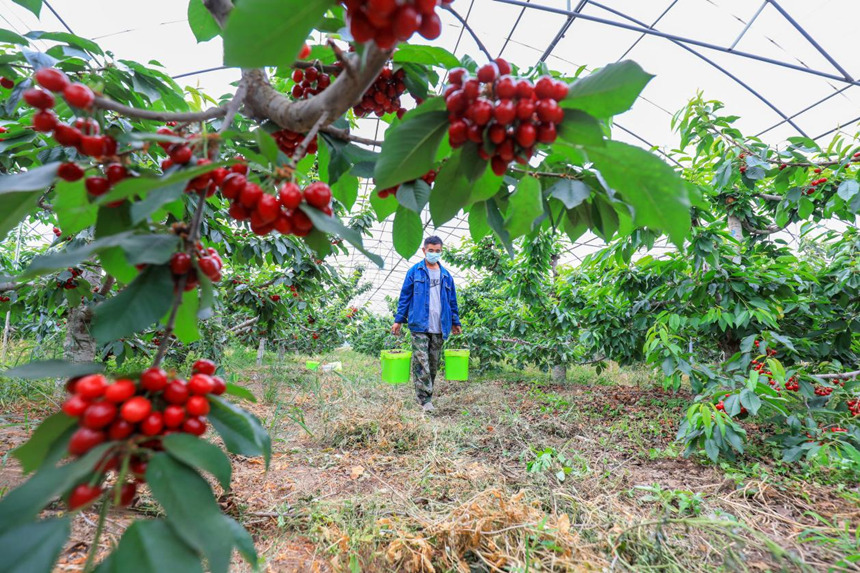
column 94, row 548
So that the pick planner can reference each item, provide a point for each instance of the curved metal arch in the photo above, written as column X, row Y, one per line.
column 680, row 44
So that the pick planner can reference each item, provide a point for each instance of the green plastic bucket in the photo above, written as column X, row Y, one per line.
column 312, row 364
column 456, row 364
column 395, row 366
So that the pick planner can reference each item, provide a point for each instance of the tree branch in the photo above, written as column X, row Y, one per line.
column 303, row 146
column 853, row 374
column 247, row 324
column 219, row 9
column 768, row 197
column 128, row 111
column 347, row 136
column 770, row 230
column 234, row 105
column 300, row 116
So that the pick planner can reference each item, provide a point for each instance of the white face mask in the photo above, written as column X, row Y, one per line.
column 433, row 258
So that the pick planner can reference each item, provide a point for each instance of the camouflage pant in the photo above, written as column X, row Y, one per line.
column 426, row 351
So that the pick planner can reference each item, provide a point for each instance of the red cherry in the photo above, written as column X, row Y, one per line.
column 152, row 424
column 547, row 133
column 180, row 263
column 505, row 112
column 482, row 112
column 503, row 65
column 99, row 415
column 301, row 223
column 115, row 173
column 87, row 126
column 203, row 366
column 475, row 133
column 97, row 186
column 548, row 110
column 361, row 29
column 38, row 98
column 52, row 79
column 268, row 208
column 78, row 95
column 250, row 195
column 127, row 493
column 298, row 76
column 154, row 379
column 497, row 133
column 176, row 392
column 406, row 22
column 194, row 426
column 120, row 391
column 83, row 494
column 84, row 439
column 457, row 132
column 525, row 89
column 173, row 416
column 200, row 384
column 233, row 185
column 505, row 150
column 136, row 409
column 44, row 121
column 488, row 73
column 75, row 405
column 456, row 102
column 431, row 26
column 457, row 75
column 545, row 88
column 137, row 466
column 220, row 385
column 526, row 135
column 472, row 89
column 318, row 194
column 498, row 165
column 120, row 430
column 197, row 406
column 506, row 88
column 283, row 224
column 238, row 212
column 290, row 195
column 525, row 109
column 180, row 154
column 70, row 172
column 304, row 52
column 7, row 83
column 67, row 135
column 560, row 90
column 91, row 387
column 209, row 267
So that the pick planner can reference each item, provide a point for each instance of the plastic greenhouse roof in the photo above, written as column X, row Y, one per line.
column 787, row 67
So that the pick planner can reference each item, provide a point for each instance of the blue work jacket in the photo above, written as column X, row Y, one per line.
column 414, row 304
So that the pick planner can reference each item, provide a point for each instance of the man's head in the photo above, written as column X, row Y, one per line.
column 432, row 249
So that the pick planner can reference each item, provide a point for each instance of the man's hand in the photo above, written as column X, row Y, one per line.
column 456, row 329
column 395, row 330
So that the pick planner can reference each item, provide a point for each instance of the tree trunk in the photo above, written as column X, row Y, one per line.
column 559, row 373
column 260, row 351
column 79, row 345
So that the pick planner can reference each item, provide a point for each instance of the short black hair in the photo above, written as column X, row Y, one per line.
column 432, row 240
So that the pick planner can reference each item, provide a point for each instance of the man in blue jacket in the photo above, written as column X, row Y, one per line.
column 428, row 301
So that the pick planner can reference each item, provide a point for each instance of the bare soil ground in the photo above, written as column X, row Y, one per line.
column 510, row 474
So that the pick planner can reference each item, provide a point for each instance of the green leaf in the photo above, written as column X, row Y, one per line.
column 332, row 225
column 847, row 189
column 451, row 192
column 198, row 453
column 805, row 207
column 497, row 224
column 243, row 540
column 750, row 401
column 485, row 187
column 240, row 392
column 267, row 144
column 10, row 37
column 414, row 195
column 241, row 431
column 73, row 208
column 19, row 194
column 345, row 190
column 410, row 148
column 33, row 452
column 156, row 199
column 428, row 55
column 407, row 232
column 34, row 6
column 186, row 318
column 136, row 307
column 24, row 503
column 580, row 128
column 151, row 546
column 269, row 32
column 525, row 206
column 34, row 547
column 608, row 91
column 114, row 263
column 656, row 192
column 192, row 512
column 70, row 39
column 478, row 225
column 571, row 192
column 200, row 20
column 52, row 369
column 382, row 207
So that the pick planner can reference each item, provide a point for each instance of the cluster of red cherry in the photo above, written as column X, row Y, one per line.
column 280, row 213
column 351, row 312
column 208, row 262
column 288, row 141
column 513, row 114
column 4, row 298
column 7, row 83
column 387, row 22
column 70, row 283
column 815, row 183
column 309, row 82
column 722, row 406
column 428, row 178
column 135, row 415
column 383, row 96
column 854, row 406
